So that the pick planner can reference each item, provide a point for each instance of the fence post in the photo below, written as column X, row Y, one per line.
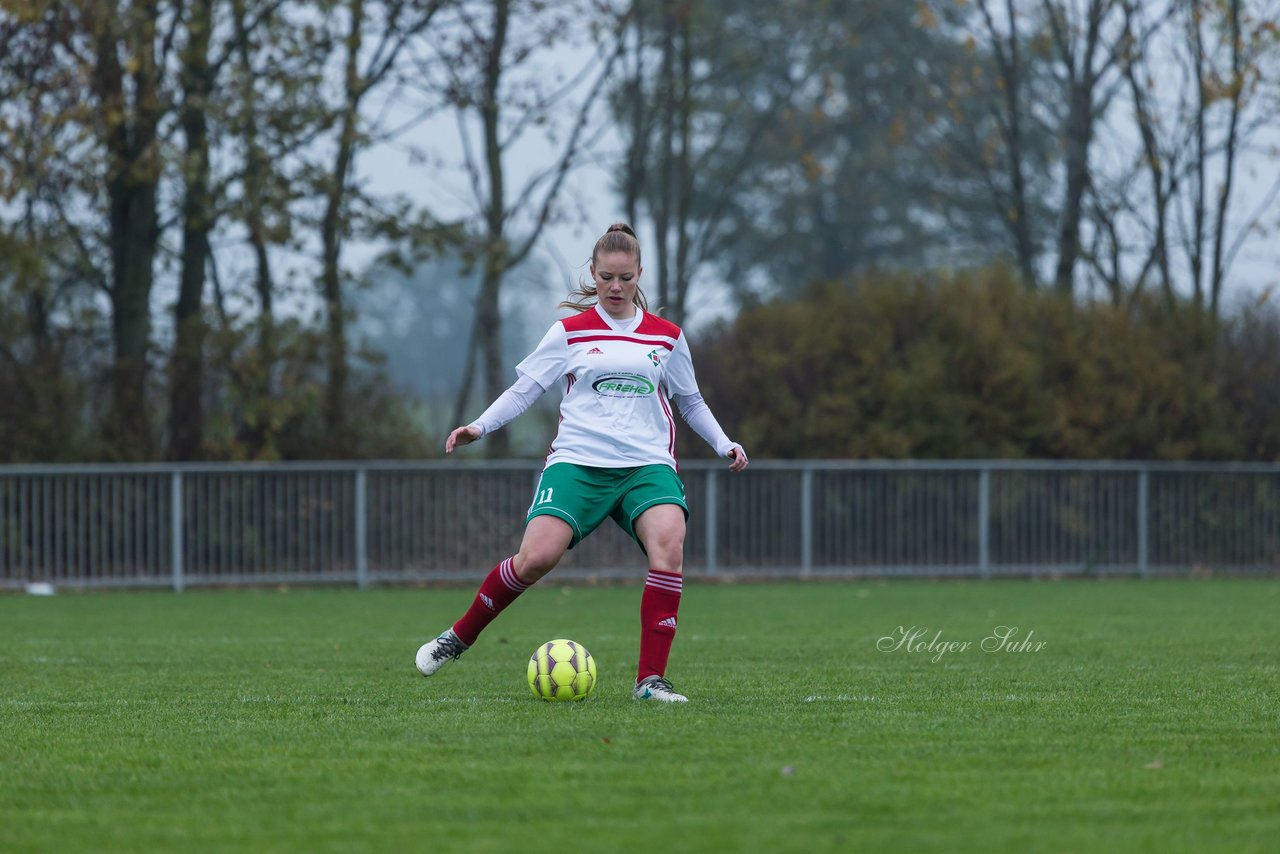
column 984, row 523
column 1144, row 487
column 711, row 529
column 176, row 530
column 362, row 530
column 806, row 521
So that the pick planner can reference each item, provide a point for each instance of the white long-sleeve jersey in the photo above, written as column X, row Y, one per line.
column 616, row 379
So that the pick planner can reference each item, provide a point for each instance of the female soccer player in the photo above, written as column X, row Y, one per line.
column 613, row 456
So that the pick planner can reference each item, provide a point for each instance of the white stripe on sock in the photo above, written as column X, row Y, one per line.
column 508, row 575
column 670, row 583
column 658, row 579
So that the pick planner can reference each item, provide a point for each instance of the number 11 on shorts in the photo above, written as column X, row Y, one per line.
column 544, row 496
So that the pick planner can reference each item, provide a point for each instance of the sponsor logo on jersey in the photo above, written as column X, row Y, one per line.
column 623, row 385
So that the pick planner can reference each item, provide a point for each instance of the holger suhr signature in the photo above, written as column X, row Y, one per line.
column 917, row 639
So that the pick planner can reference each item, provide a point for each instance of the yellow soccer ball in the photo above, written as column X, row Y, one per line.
column 562, row 670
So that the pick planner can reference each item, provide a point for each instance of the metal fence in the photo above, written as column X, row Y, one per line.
column 368, row 523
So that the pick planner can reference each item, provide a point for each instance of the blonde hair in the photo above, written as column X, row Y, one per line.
column 618, row 238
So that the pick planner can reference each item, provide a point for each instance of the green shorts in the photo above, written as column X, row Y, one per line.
column 584, row 496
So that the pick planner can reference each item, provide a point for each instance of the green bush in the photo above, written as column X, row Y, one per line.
column 973, row 365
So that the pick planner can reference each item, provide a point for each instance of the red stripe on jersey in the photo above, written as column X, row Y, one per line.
column 582, row 339
column 569, row 380
column 584, row 320
column 654, row 325
column 671, row 424
column 650, row 324
column 551, row 448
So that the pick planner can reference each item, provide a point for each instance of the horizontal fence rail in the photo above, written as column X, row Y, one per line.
column 367, row 523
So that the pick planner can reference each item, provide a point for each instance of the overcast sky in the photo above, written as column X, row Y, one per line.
column 589, row 205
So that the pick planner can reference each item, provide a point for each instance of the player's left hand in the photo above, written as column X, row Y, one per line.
column 459, row 437
column 737, row 458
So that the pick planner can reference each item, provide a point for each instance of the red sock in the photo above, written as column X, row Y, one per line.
column 498, row 590
column 658, row 606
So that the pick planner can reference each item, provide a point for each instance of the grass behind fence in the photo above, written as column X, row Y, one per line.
column 294, row 720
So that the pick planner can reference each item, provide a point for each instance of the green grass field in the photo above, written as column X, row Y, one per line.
column 295, row 721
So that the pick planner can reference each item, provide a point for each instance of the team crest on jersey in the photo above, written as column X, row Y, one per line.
column 623, row 385
column 655, row 355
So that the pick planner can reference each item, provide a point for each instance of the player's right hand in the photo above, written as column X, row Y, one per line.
column 459, row 437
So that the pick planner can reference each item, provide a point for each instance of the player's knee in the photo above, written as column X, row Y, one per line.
column 531, row 564
column 666, row 552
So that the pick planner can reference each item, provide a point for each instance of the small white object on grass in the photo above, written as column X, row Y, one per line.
column 40, row 588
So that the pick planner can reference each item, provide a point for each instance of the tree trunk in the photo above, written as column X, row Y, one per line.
column 1229, row 152
column 257, row 170
column 1079, row 131
column 488, row 313
column 684, row 172
column 638, row 144
column 134, row 172
column 1159, row 256
column 1082, row 79
column 1016, row 214
column 662, row 203
column 1021, row 225
column 1200, row 155
column 331, row 232
column 186, row 411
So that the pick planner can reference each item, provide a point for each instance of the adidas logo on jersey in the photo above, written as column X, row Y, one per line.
column 669, row 622
column 595, row 351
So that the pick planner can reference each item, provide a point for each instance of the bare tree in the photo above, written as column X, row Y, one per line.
column 491, row 60
column 1086, row 55
column 369, row 59
column 1140, row 77
column 1055, row 74
column 1194, row 89
column 218, row 100
column 1005, row 44
column 691, row 131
